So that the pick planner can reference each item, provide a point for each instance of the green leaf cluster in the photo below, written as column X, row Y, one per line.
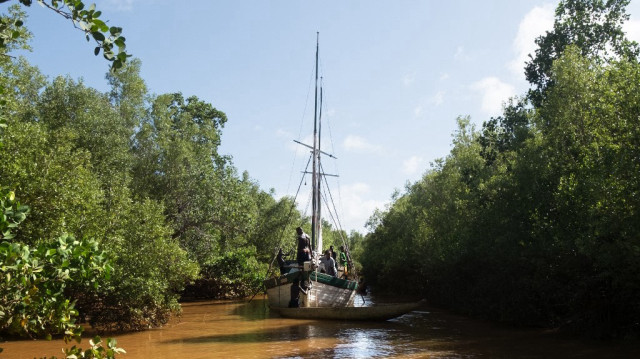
column 97, row 350
column 234, row 274
column 11, row 213
column 593, row 26
column 33, row 299
column 87, row 19
column 13, row 34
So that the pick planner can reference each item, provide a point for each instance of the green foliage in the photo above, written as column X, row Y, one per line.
column 96, row 351
column 34, row 281
column 235, row 274
column 177, row 164
column 274, row 224
column 506, row 133
column 150, row 270
column 12, row 213
column 87, row 19
column 13, row 34
column 535, row 223
column 55, row 179
column 9, row 30
column 140, row 174
column 72, row 158
column 594, row 26
column 128, row 93
column 534, row 220
column 212, row 209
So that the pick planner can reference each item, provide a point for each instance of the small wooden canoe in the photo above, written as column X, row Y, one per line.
column 375, row 312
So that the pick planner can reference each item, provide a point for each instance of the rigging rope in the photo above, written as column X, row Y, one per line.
column 328, row 122
column 304, row 112
column 336, row 221
column 285, row 225
column 293, row 205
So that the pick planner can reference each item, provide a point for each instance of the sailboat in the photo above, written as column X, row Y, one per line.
column 315, row 289
column 303, row 291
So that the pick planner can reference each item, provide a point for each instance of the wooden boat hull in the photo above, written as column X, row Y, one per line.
column 376, row 312
column 326, row 291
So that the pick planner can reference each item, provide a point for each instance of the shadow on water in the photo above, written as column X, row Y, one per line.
column 254, row 309
column 292, row 330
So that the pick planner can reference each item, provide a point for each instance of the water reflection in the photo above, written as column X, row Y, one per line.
column 237, row 329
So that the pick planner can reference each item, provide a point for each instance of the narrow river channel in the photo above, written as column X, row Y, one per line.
column 238, row 329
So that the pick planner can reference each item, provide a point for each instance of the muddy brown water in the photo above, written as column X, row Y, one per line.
column 238, row 329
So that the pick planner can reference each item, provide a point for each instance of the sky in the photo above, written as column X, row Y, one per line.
column 396, row 76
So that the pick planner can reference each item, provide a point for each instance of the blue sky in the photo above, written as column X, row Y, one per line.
column 397, row 74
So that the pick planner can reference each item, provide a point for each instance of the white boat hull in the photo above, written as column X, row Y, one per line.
column 325, row 292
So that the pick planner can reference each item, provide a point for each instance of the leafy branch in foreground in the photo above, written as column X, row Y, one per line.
column 97, row 350
column 87, row 19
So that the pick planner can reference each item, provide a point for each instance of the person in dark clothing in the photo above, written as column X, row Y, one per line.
column 333, row 253
column 294, row 301
column 344, row 262
column 304, row 247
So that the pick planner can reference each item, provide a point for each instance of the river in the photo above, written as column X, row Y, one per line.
column 238, row 329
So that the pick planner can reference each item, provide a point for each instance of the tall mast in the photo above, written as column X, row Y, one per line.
column 320, row 174
column 314, row 177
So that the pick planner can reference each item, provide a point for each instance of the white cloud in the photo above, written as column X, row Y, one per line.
column 408, row 79
column 632, row 29
column 534, row 24
column 412, row 165
column 418, row 110
column 444, row 76
column 359, row 144
column 460, row 54
column 437, row 99
column 433, row 101
column 357, row 208
column 280, row 133
column 352, row 202
column 494, row 94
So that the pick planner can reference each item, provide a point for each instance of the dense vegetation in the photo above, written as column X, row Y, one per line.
column 535, row 218
column 124, row 200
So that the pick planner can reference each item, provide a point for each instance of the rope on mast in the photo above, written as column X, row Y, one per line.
column 340, row 230
column 293, row 205
column 304, row 112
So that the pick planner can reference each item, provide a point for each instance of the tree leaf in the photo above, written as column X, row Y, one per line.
column 98, row 36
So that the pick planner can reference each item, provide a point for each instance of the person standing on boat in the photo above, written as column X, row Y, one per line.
column 304, row 247
column 281, row 262
column 333, row 253
column 344, row 261
column 329, row 264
